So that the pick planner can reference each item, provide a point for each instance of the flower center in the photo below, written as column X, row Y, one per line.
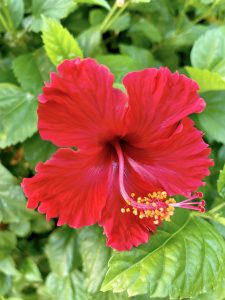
column 156, row 205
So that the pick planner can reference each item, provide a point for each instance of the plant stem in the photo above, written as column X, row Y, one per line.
column 218, row 207
column 113, row 15
column 117, row 15
column 108, row 17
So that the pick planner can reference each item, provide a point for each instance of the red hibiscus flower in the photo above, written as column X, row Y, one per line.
column 135, row 150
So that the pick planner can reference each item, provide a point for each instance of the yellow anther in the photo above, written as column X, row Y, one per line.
column 155, row 200
column 135, row 212
column 164, row 194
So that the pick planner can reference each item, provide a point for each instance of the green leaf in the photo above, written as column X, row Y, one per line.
column 7, row 264
column 221, row 183
column 121, row 24
column 143, row 56
column 183, row 259
column 31, row 70
column 62, row 251
column 68, row 287
column 207, row 80
column 102, row 3
column 20, row 229
column 7, row 241
column 55, row 9
column 12, row 203
column 37, row 150
column 147, row 29
column 95, row 256
column 208, row 51
column 212, row 120
column 58, row 42
column 5, row 283
column 30, row 271
column 119, row 65
column 16, row 105
column 16, row 12
column 89, row 40
column 187, row 35
column 40, row 225
column 218, row 294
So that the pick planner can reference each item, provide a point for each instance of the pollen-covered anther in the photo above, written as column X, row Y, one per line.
column 155, row 206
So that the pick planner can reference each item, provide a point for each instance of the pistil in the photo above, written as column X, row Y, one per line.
column 156, row 205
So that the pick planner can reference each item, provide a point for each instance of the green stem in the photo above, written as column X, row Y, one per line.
column 117, row 15
column 4, row 23
column 204, row 15
column 5, row 9
column 104, row 24
column 218, row 207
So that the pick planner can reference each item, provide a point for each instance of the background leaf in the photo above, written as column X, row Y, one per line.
column 95, row 257
column 213, row 118
column 55, row 9
column 16, row 105
column 208, row 51
column 58, row 42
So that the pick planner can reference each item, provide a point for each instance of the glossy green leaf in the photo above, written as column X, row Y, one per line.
column 147, row 29
column 69, row 287
column 58, row 42
column 7, row 240
column 31, row 70
column 208, row 51
column 213, row 118
column 121, row 24
column 207, row 80
column 89, row 41
column 16, row 105
column 7, row 244
column 7, row 264
column 37, row 150
column 30, row 271
column 55, row 9
column 143, row 56
column 12, row 203
column 102, row 3
column 21, row 229
column 185, row 258
column 119, row 65
column 62, row 251
column 5, row 283
column 221, row 183
column 217, row 294
column 95, row 256
column 15, row 9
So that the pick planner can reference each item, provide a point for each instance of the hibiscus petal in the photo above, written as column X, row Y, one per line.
column 124, row 231
column 80, row 107
column 72, row 185
column 176, row 164
column 158, row 99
